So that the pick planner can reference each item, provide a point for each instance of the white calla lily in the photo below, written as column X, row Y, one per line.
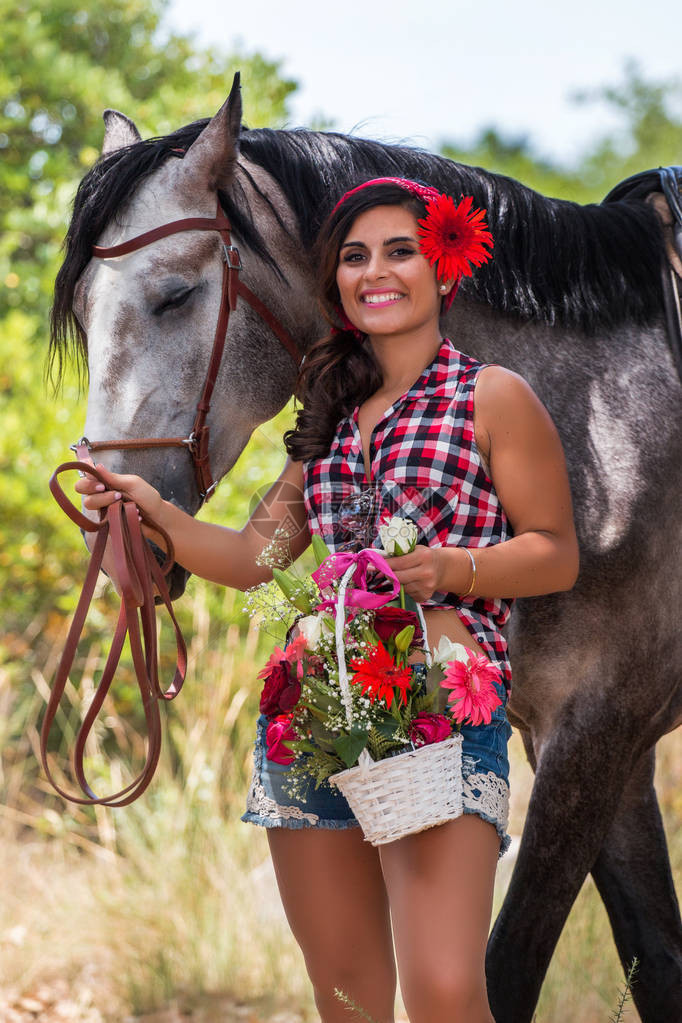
column 447, row 651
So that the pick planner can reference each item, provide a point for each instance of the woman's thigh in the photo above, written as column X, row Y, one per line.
column 334, row 896
column 440, row 884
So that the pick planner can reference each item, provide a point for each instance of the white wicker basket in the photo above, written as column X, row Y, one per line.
column 406, row 793
column 403, row 794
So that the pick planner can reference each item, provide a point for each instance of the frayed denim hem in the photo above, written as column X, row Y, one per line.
column 295, row 823
column 505, row 839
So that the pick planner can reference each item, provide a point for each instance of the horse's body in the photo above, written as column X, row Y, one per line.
column 572, row 303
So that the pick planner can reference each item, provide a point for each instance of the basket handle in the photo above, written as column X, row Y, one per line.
column 340, row 624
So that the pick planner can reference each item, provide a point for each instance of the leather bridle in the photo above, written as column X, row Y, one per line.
column 197, row 443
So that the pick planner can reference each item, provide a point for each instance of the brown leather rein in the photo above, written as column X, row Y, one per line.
column 137, row 571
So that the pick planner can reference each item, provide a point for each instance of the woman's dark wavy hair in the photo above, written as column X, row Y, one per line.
column 339, row 371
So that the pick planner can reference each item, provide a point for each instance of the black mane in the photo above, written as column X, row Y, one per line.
column 584, row 267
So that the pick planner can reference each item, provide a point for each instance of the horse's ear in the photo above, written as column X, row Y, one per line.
column 119, row 131
column 212, row 155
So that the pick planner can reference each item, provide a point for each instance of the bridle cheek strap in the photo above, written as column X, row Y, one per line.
column 197, row 443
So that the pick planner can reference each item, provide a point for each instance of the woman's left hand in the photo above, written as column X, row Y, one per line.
column 418, row 572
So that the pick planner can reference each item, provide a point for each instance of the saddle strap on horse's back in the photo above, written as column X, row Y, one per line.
column 667, row 180
column 138, row 574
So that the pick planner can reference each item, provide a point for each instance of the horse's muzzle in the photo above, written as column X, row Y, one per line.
column 176, row 580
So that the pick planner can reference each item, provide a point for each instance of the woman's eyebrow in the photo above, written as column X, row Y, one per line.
column 389, row 241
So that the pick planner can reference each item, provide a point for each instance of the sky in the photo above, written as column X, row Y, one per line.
column 428, row 73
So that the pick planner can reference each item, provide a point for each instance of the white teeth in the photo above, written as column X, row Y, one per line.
column 388, row 297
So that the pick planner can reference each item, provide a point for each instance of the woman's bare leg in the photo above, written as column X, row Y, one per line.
column 335, row 900
column 440, row 886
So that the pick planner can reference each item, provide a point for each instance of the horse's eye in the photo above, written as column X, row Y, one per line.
column 174, row 301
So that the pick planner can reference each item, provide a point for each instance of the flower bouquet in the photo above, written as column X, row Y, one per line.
column 345, row 708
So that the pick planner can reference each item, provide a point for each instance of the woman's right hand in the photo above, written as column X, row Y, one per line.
column 96, row 495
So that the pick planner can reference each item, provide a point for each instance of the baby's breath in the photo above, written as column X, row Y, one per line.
column 277, row 551
column 266, row 602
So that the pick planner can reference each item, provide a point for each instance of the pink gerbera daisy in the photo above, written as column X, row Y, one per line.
column 473, row 695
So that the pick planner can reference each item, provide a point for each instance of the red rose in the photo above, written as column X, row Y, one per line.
column 428, row 728
column 280, row 690
column 289, row 696
column 277, row 733
column 389, row 621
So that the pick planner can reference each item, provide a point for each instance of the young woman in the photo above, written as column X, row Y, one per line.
column 395, row 419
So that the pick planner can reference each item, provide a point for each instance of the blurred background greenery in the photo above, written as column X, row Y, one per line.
column 122, row 912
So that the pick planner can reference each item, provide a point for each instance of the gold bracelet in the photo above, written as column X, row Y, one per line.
column 473, row 574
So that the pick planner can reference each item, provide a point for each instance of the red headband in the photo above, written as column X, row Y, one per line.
column 452, row 238
column 425, row 192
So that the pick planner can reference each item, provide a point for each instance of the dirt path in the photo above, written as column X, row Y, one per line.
column 55, row 1003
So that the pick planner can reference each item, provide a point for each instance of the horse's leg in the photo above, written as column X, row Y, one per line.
column 580, row 775
column 633, row 875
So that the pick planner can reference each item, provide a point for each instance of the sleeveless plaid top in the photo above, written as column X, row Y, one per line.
column 425, row 466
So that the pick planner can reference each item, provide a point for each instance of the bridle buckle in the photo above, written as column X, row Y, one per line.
column 232, row 257
column 80, row 443
column 191, row 443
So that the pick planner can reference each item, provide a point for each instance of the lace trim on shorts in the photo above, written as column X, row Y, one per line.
column 487, row 795
column 259, row 802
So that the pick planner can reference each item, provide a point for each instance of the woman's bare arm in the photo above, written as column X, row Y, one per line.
column 528, row 469
column 217, row 553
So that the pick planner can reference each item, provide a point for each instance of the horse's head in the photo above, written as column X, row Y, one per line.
column 147, row 319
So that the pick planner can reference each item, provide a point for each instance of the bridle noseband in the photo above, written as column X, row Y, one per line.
column 232, row 287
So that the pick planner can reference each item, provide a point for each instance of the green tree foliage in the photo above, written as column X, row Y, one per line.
column 650, row 133
column 650, row 136
column 64, row 62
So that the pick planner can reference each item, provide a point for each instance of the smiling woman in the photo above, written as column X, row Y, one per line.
column 392, row 412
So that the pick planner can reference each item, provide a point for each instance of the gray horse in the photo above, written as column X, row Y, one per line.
column 572, row 302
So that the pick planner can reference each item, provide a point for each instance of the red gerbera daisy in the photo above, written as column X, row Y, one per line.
column 454, row 237
column 379, row 675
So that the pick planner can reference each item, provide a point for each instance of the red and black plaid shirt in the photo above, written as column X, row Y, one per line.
column 425, row 466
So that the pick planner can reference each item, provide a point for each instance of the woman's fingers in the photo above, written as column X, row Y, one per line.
column 95, row 494
column 96, row 501
column 98, row 494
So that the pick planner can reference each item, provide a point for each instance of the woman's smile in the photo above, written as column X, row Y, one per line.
column 377, row 298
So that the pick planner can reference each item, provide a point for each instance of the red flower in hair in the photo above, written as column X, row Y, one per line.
column 454, row 237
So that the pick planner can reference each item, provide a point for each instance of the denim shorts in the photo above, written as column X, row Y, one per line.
column 485, row 782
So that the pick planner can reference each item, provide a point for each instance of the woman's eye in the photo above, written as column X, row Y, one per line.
column 353, row 257
column 174, row 301
column 403, row 251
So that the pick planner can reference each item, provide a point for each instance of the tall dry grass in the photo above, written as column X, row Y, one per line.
column 167, row 896
column 173, row 899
